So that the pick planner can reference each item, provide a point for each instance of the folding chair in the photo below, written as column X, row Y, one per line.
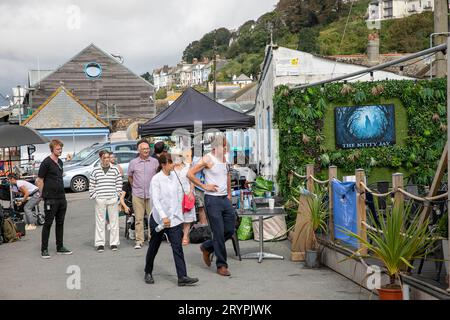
column 438, row 253
column 382, row 187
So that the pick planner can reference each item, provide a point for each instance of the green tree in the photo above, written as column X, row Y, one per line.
column 204, row 46
column 409, row 34
column 308, row 40
column 147, row 76
column 161, row 94
column 309, row 13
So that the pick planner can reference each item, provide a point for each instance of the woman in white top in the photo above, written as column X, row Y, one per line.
column 181, row 169
column 31, row 199
column 219, row 209
column 166, row 213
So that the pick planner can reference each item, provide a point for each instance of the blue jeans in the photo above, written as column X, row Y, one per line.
column 32, row 202
column 222, row 219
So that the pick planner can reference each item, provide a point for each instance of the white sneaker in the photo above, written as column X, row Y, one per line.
column 29, row 227
column 138, row 246
column 131, row 234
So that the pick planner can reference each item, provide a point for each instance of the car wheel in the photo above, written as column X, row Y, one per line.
column 79, row 184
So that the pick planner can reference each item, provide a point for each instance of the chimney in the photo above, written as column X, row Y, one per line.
column 373, row 49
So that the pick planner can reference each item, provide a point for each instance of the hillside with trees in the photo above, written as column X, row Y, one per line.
column 314, row 26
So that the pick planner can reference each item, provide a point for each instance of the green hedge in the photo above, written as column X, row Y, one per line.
column 305, row 119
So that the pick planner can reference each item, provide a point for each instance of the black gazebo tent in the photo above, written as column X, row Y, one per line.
column 194, row 106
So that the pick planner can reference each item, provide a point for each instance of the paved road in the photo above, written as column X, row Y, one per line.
column 119, row 275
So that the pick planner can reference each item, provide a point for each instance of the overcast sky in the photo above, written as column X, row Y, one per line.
column 146, row 33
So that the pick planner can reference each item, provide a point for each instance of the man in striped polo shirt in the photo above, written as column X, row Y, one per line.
column 105, row 186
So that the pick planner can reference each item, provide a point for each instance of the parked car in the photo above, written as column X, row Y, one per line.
column 129, row 145
column 77, row 176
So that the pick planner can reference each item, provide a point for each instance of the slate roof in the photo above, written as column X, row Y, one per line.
column 243, row 77
column 241, row 92
column 64, row 110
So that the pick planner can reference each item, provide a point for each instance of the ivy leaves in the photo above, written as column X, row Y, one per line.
column 360, row 97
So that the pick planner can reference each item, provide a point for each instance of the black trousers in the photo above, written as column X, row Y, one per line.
column 175, row 235
column 222, row 220
column 54, row 209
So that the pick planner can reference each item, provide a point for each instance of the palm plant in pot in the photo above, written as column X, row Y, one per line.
column 317, row 225
column 396, row 242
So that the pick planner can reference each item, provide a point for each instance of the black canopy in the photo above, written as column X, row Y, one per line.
column 194, row 106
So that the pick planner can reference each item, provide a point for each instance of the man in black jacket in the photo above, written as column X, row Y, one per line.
column 51, row 186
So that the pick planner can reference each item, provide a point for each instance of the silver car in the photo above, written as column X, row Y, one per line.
column 77, row 177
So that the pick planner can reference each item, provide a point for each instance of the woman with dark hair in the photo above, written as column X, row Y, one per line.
column 167, row 217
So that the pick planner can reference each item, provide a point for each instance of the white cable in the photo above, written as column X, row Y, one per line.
column 343, row 36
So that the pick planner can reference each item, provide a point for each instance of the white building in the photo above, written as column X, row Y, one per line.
column 283, row 66
column 394, row 9
column 186, row 75
column 207, row 69
column 156, row 79
column 242, row 80
column 161, row 77
column 197, row 73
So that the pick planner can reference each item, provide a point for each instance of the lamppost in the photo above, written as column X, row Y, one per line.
column 18, row 100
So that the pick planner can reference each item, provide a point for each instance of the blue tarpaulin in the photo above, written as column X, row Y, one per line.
column 344, row 211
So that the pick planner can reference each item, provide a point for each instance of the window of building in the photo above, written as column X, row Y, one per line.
column 93, row 70
column 260, row 136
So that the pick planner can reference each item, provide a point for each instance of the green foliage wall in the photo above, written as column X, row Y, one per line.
column 305, row 120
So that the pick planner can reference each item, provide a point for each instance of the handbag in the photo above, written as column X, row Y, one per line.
column 187, row 204
column 199, row 233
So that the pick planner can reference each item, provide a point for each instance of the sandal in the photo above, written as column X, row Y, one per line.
column 185, row 242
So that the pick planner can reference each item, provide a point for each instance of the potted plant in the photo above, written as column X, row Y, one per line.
column 317, row 224
column 399, row 239
column 262, row 187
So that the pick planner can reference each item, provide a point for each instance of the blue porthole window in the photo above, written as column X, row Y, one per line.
column 92, row 70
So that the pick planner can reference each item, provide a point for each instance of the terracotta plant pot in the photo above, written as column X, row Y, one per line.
column 392, row 293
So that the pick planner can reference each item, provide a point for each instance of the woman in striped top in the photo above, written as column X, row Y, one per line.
column 105, row 186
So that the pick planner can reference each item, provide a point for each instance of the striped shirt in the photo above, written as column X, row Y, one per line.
column 105, row 185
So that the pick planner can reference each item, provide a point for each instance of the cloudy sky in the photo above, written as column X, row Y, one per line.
column 146, row 33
